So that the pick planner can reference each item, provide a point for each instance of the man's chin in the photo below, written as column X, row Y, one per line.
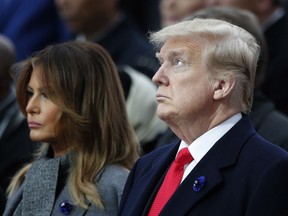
column 165, row 116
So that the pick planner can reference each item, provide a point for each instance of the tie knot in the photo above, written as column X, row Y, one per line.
column 183, row 157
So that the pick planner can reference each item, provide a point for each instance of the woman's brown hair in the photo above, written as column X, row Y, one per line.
column 83, row 81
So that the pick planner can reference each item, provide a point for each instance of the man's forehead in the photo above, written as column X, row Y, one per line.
column 180, row 47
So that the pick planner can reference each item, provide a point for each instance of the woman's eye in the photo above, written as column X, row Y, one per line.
column 29, row 93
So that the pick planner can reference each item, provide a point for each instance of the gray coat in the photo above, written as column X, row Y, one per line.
column 25, row 201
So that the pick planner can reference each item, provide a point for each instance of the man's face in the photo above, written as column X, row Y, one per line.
column 243, row 4
column 184, row 92
column 85, row 16
column 173, row 11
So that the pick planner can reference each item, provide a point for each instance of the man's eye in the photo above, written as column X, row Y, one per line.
column 44, row 95
column 179, row 62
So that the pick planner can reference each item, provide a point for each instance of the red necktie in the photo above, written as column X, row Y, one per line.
column 171, row 181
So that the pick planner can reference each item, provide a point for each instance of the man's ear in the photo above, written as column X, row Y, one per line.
column 223, row 87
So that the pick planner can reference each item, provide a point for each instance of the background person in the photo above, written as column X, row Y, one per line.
column 31, row 25
column 173, row 11
column 16, row 147
column 141, row 107
column 106, row 23
column 273, row 18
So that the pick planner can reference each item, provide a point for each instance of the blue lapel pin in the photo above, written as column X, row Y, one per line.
column 199, row 183
column 66, row 207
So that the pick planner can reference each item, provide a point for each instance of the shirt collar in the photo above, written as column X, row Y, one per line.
column 204, row 143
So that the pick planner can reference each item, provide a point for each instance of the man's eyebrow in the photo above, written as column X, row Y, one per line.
column 173, row 53
column 178, row 52
column 160, row 59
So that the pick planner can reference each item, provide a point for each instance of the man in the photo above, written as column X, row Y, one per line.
column 106, row 23
column 205, row 93
column 273, row 18
column 31, row 25
column 172, row 11
column 267, row 120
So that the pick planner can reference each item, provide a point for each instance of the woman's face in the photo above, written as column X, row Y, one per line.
column 42, row 114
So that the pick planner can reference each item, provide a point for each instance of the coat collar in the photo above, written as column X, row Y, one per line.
column 223, row 154
column 65, row 197
column 148, row 172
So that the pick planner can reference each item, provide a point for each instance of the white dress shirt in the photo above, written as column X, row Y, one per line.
column 204, row 143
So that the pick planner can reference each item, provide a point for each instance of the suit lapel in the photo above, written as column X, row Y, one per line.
column 14, row 201
column 153, row 194
column 148, row 179
column 186, row 197
column 40, row 189
column 223, row 154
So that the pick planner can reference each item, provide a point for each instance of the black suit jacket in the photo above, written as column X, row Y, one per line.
column 245, row 175
column 275, row 84
column 16, row 147
column 128, row 46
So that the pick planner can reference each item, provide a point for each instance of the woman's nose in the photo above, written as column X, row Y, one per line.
column 32, row 106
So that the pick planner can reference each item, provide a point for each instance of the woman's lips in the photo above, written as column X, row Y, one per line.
column 34, row 125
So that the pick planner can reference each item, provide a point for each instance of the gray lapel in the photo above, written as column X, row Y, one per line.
column 13, row 202
column 40, row 189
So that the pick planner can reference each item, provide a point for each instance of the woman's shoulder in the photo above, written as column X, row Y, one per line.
column 113, row 174
column 111, row 183
column 112, row 179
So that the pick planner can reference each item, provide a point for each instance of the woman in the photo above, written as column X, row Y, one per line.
column 74, row 103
